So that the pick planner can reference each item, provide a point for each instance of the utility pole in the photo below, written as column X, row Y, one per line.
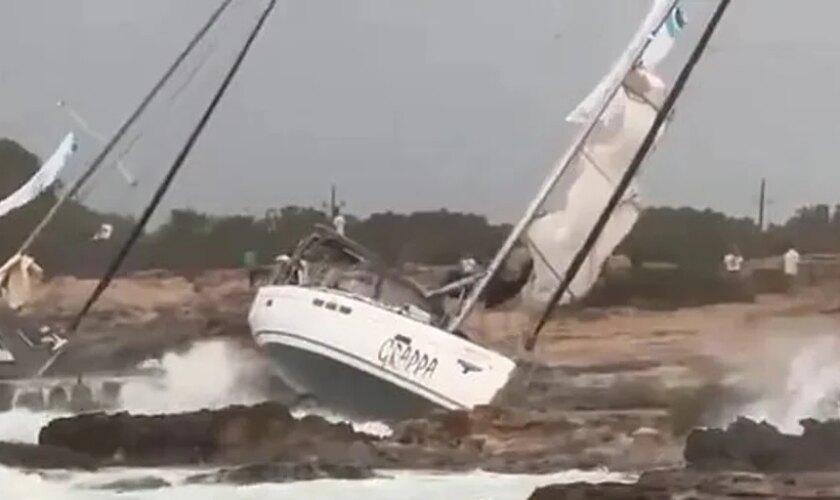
column 334, row 205
column 761, row 205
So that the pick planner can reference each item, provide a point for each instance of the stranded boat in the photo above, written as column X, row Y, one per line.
column 357, row 337
column 365, row 341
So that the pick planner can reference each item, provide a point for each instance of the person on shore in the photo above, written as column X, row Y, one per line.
column 339, row 222
column 249, row 262
column 790, row 265
column 733, row 262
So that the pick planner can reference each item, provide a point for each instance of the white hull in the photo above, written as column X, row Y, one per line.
column 345, row 351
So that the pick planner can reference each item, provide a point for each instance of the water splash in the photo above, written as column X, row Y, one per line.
column 374, row 428
column 804, row 383
column 210, row 375
column 22, row 426
column 16, row 485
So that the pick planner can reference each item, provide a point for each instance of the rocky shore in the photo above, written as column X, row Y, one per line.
column 488, row 438
column 616, row 389
column 747, row 459
column 681, row 483
column 264, row 443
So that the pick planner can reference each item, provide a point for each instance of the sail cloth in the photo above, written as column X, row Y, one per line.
column 17, row 279
column 18, row 274
column 555, row 237
column 43, row 178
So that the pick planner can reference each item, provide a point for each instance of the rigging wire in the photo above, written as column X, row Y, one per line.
column 106, row 150
column 137, row 230
column 632, row 169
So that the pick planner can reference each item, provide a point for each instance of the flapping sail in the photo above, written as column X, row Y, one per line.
column 43, row 178
column 556, row 236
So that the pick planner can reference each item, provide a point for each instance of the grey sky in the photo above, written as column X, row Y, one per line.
column 421, row 104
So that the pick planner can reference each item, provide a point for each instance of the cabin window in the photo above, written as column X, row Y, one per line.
column 332, row 306
column 344, row 310
column 318, row 302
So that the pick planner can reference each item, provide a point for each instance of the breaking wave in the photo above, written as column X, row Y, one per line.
column 210, row 375
column 795, row 377
column 16, row 485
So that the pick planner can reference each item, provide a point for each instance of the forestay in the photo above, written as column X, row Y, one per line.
column 556, row 234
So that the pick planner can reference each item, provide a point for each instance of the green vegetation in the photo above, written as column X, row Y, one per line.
column 695, row 240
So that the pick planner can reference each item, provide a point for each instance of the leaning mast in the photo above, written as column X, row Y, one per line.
column 629, row 61
column 631, row 171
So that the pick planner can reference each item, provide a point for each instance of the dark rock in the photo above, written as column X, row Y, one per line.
column 7, row 396
column 32, row 456
column 751, row 446
column 282, row 473
column 135, row 484
column 237, row 434
column 667, row 484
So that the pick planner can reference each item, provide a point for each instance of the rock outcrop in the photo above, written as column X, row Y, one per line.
column 283, row 472
column 490, row 438
column 749, row 446
column 238, row 434
column 30, row 456
column 669, row 484
column 522, row 441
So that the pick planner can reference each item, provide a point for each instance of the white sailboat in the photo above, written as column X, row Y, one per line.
column 361, row 340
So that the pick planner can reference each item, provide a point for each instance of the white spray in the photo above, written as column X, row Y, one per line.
column 210, row 375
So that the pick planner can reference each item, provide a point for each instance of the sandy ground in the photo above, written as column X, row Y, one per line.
column 714, row 335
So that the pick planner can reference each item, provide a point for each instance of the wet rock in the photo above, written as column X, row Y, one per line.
column 32, row 456
column 282, row 473
column 525, row 441
column 134, row 484
column 668, row 484
column 237, row 434
column 7, row 396
column 751, row 446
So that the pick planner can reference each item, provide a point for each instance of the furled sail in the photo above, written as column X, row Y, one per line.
column 43, row 178
column 556, row 236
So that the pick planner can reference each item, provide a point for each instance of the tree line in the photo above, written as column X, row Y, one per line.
column 190, row 241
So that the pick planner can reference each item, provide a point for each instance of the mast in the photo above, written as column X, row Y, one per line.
column 106, row 150
column 617, row 82
column 632, row 170
column 333, row 206
column 137, row 230
column 761, row 205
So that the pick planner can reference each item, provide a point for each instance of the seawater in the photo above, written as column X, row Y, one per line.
column 188, row 385
column 18, row 485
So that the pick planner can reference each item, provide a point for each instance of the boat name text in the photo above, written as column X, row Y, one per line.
column 399, row 355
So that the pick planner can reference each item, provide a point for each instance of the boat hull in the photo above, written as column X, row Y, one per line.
column 355, row 357
column 340, row 387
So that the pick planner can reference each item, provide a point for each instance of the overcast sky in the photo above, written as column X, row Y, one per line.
column 422, row 104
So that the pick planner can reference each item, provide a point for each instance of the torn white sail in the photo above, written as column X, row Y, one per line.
column 557, row 236
column 42, row 179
